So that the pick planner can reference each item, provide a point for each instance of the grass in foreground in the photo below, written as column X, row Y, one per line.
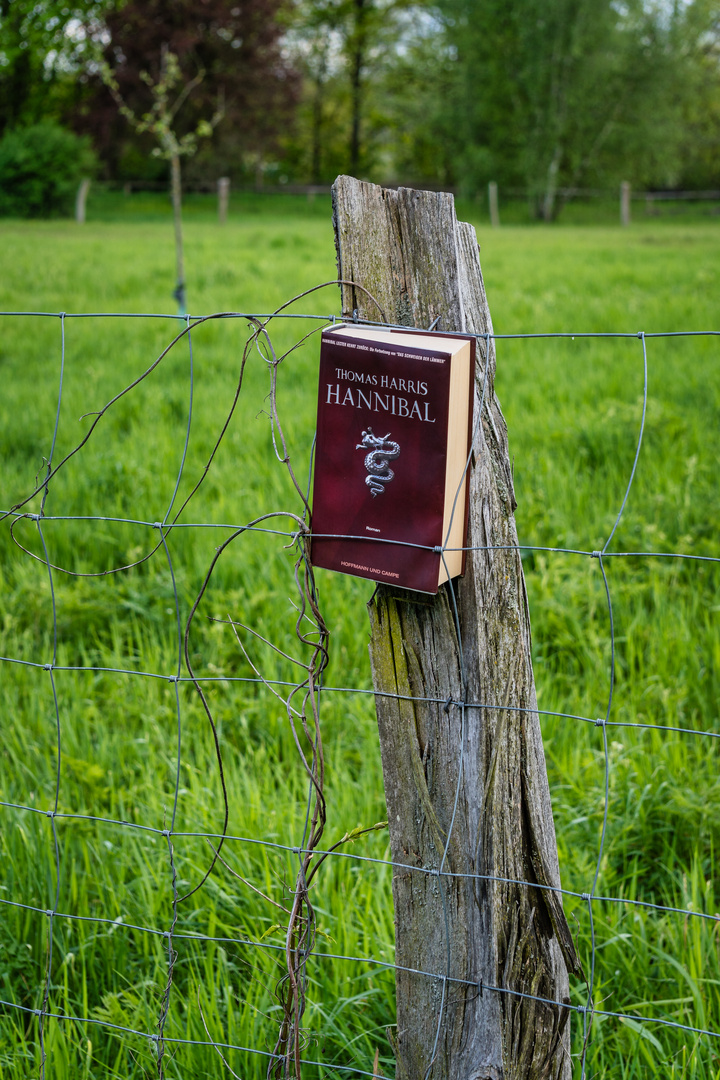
column 573, row 409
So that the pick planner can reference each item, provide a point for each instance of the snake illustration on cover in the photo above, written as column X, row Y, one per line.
column 382, row 451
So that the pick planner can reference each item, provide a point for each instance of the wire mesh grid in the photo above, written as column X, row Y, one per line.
column 152, row 1047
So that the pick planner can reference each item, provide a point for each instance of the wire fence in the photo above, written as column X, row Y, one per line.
column 511, row 204
column 293, row 962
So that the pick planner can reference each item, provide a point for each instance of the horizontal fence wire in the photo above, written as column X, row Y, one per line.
column 313, row 689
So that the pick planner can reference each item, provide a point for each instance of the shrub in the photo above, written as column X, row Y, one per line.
column 40, row 168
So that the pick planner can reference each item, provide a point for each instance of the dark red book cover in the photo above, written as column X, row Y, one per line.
column 380, row 461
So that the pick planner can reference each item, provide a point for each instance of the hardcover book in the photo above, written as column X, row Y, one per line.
column 394, row 430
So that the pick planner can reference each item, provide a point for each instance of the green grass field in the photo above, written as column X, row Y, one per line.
column 573, row 408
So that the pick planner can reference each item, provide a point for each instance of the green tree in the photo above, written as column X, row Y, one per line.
column 418, row 84
column 345, row 49
column 40, row 167
column 700, row 138
column 174, row 68
column 169, row 93
column 315, row 41
column 546, row 94
column 42, row 48
column 238, row 48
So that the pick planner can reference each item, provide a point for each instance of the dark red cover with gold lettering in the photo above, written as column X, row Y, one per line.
column 391, row 401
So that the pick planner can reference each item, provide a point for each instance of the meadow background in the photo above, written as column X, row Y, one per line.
column 573, row 409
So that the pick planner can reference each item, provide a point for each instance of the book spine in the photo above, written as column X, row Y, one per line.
column 471, row 412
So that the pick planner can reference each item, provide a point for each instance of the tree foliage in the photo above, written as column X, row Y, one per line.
column 40, row 167
column 699, row 143
column 541, row 95
column 235, row 45
column 42, row 49
column 550, row 93
column 345, row 50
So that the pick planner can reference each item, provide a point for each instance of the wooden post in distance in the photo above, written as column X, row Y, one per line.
column 80, row 200
column 625, row 202
column 495, row 945
column 493, row 203
column 223, row 190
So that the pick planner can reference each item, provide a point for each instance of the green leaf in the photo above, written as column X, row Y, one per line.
column 360, row 830
column 271, row 930
column 642, row 1032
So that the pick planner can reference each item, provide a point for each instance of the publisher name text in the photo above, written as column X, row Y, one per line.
column 369, row 569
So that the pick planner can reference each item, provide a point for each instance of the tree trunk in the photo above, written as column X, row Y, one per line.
column 358, row 60
column 478, row 805
column 318, row 111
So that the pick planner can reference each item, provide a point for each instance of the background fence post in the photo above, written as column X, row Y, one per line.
column 493, row 201
column 466, row 786
column 80, row 200
column 223, row 190
column 625, row 202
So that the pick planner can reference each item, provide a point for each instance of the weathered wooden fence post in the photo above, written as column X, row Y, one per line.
column 625, row 190
column 223, row 191
column 493, row 204
column 466, row 786
column 81, row 200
